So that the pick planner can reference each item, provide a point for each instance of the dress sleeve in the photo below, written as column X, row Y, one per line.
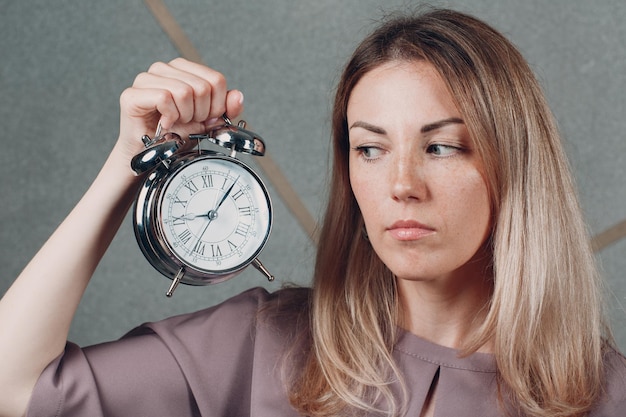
column 613, row 403
column 133, row 376
column 175, row 367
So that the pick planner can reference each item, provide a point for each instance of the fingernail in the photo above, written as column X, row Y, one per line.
column 212, row 121
column 240, row 100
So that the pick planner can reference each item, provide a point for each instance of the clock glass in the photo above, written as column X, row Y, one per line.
column 215, row 215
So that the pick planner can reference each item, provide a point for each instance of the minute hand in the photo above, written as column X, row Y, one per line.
column 226, row 194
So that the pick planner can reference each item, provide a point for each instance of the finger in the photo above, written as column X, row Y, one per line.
column 178, row 91
column 150, row 104
column 208, row 81
column 234, row 103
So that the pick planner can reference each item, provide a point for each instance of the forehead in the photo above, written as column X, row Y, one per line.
column 403, row 90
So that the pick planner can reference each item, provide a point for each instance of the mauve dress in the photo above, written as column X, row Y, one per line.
column 223, row 361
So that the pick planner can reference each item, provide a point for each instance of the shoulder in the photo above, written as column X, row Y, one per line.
column 613, row 402
column 615, row 368
column 242, row 313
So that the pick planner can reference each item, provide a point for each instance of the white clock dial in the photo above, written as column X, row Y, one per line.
column 215, row 215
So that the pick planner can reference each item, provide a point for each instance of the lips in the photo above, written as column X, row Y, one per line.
column 407, row 230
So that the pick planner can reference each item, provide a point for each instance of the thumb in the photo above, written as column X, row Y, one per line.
column 234, row 103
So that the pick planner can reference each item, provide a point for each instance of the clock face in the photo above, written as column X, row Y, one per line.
column 215, row 214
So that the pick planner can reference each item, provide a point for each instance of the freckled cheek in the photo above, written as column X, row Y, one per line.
column 364, row 190
column 468, row 204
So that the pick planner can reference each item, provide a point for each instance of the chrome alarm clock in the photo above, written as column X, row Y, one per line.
column 201, row 216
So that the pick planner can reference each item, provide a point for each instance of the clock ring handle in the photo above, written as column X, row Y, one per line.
column 236, row 138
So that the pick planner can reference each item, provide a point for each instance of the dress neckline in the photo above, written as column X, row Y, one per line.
column 419, row 348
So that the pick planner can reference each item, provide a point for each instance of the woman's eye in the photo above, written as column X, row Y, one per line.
column 369, row 152
column 442, row 150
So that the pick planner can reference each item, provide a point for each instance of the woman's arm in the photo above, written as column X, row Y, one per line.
column 37, row 310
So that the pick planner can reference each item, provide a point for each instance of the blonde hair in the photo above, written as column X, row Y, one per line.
column 545, row 318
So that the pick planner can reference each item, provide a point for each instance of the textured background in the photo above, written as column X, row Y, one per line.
column 64, row 64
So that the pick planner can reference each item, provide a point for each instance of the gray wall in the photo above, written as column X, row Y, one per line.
column 64, row 64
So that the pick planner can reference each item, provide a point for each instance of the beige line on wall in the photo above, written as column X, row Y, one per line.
column 609, row 236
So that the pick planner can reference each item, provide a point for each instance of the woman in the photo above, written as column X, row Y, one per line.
column 452, row 266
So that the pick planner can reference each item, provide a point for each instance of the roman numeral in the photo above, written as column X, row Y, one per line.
column 245, row 211
column 199, row 248
column 185, row 236
column 178, row 221
column 207, row 181
column 179, row 201
column 242, row 229
column 191, row 187
column 237, row 194
column 216, row 250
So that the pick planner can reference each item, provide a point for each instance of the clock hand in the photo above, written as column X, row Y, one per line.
column 226, row 194
column 190, row 216
column 212, row 214
column 202, row 233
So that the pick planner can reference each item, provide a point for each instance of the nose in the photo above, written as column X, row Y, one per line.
column 407, row 179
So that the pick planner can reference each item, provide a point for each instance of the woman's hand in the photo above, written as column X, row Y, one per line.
column 183, row 96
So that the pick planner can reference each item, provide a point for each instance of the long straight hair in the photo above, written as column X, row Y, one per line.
column 545, row 319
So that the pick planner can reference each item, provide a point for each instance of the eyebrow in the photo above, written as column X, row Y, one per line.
column 370, row 127
column 441, row 123
column 425, row 129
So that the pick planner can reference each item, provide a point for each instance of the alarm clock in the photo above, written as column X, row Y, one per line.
column 201, row 216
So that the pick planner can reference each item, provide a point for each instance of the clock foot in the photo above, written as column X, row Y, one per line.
column 258, row 265
column 175, row 282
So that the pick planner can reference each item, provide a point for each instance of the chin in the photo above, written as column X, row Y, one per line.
column 406, row 265
column 410, row 272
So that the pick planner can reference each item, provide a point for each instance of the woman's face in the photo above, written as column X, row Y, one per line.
column 417, row 180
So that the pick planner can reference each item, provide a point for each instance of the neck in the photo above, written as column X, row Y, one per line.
column 446, row 311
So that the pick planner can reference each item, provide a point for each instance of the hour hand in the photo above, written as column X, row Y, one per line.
column 190, row 216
